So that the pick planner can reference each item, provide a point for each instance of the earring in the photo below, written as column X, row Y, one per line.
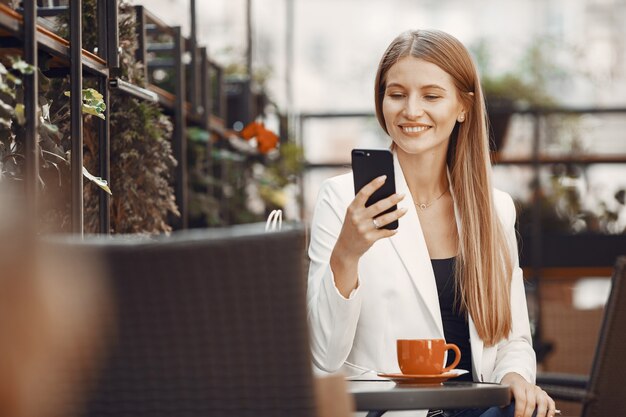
column 461, row 118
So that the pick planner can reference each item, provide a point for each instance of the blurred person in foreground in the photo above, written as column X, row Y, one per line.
column 451, row 269
column 52, row 304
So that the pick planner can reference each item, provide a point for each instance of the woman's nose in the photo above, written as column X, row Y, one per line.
column 413, row 108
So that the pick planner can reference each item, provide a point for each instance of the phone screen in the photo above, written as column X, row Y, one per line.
column 368, row 164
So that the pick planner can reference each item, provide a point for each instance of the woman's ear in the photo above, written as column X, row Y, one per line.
column 461, row 117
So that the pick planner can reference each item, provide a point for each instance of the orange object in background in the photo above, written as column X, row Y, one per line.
column 266, row 139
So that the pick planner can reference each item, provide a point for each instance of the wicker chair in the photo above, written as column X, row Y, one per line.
column 603, row 393
column 207, row 323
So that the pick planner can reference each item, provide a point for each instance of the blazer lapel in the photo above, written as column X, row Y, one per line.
column 411, row 247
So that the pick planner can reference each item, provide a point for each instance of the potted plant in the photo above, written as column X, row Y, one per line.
column 577, row 230
column 525, row 86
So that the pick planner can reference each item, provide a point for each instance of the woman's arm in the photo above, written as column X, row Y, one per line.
column 341, row 232
column 332, row 317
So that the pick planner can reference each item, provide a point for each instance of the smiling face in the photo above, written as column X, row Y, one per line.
column 420, row 106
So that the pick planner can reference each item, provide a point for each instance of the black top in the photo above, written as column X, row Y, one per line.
column 455, row 325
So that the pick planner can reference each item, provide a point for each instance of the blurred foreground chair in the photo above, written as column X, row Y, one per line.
column 603, row 393
column 209, row 323
column 52, row 307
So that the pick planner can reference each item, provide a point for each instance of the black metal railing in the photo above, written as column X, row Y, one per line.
column 202, row 104
column 532, row 246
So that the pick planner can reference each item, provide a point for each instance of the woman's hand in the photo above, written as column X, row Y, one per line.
column 361, row 228
column 529, row 397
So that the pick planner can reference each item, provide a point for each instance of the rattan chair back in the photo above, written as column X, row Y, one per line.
column 606, row 392
column 209, row 323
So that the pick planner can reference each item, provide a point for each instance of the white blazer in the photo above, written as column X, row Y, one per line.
column 397, row 294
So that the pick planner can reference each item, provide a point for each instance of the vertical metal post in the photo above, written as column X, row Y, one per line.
column 142, row 44
column 536, row 187
column 112, row 35
column 194, row 60
column 101, row 17
column 31, row 150
column 107, row 49
column 205, row 88
column 536, row 232
column 247, row 93
column 226, row 201
column 219, row 94
column 536, row 209
column 249, row 38
column 179, row 139
column 205, row 100
column 299, row 123
column 289, row 65
column 104, row 156
column 76, row 126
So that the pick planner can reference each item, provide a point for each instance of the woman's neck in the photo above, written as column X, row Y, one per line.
column 425, row 174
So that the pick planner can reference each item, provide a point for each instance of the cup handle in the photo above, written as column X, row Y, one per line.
column 457, row 356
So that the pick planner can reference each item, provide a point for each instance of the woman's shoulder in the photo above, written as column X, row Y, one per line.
column 502, row 197
column 504, row 205
column 335, row 195
column 341, row 186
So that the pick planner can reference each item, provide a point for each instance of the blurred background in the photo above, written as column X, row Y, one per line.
column 220, row 111
column 317, row 59
column 565, row 167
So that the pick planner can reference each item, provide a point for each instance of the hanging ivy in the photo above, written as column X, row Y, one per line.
column 54, row 159
column 142, row 161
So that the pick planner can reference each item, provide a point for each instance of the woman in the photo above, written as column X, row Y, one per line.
column 451, row 268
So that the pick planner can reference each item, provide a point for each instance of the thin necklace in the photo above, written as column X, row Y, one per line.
column 424, row 206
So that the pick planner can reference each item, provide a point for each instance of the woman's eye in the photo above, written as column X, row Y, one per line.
column 395, row 95
column 431, row 97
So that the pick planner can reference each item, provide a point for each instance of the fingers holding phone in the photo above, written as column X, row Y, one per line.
column 364, row 194
column 372, row 215
column 383, row 212
column 364, row 225
column 390, row 213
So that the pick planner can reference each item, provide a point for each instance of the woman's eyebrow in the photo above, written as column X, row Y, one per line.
column 438, row 87
column 394, row 85
column 424, row 87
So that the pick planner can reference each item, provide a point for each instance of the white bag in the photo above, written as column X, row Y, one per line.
column 274, row 221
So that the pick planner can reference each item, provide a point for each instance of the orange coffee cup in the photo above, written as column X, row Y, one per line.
column 425, row 356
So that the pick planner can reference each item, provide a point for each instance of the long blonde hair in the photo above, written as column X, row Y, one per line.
column 484, row 265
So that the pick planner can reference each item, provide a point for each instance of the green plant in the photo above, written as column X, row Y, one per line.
column 527, row 84
column 141, row 168
column 93, row 102
column 204, row 206
column 141, row 155
column 565, row 207
column 141, row 161
column 13, row 121
column 231, row 187
column 280, row 174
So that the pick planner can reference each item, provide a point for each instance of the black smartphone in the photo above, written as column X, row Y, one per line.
column 368, row 164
